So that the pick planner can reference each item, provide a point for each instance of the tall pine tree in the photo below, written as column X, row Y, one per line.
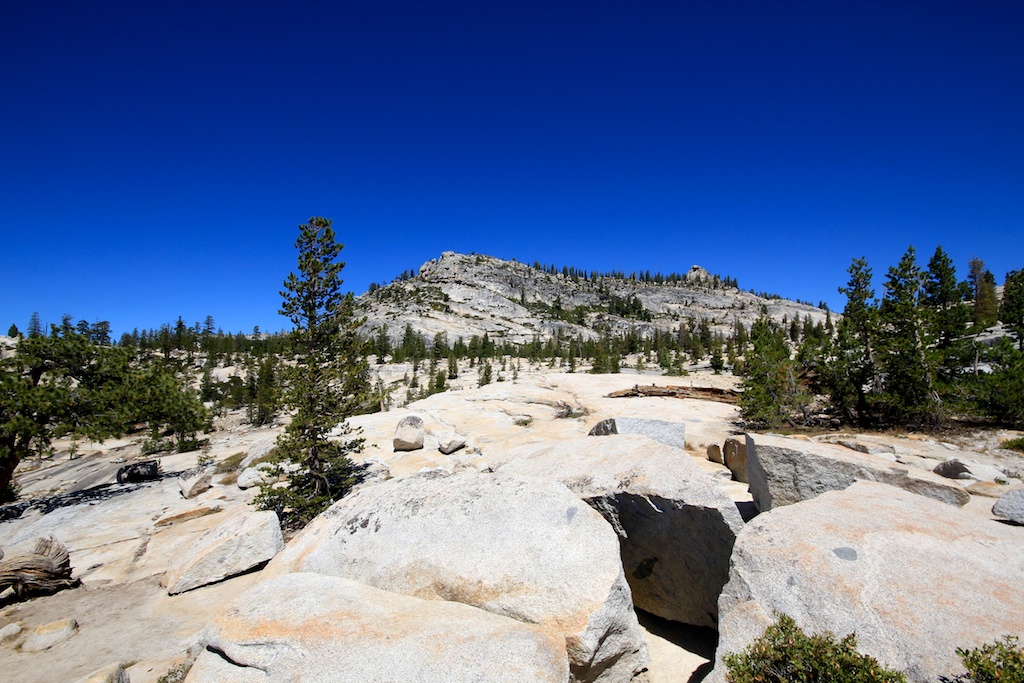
column 947, row 315
column 908, row 395
column 1012, row 311
column 328, row 383
column 851, row 376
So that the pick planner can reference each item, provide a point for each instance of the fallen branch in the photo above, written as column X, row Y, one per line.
column 702, row 393
column 45, row 570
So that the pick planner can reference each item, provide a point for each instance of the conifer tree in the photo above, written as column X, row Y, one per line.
column 35, row 328
column 1012, row 311
column 772, row 392
column 328, row 383
column 983, row 290
column 851, row 373
column 486, row 374
column 908, row 394
column 947, row 316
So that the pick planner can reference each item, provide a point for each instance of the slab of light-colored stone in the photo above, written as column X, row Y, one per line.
column 669, row 433
column 914, row 578
column 46, row 636
column 111, row 673
column 177, row 516
column 11, row 631
column 238, row 545
column 676, row 525
column 783, row 471
column 324, row 628
column 522, row 548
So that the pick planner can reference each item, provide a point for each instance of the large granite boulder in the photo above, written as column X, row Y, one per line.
column 676, row 526
column 914, row 578
column 409, row 434
column 668, row 433
column 239, row 544
column 734, row 452
column 1010, row 506
column 783, row 471
column 195, row 481
column 521, row 548
column 324, row 628
column 257, row 475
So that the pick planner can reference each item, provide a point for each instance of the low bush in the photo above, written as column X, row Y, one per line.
column 785, row 654
column 998, row 662
column 154, row 444
column 1014, row 444
column 229, row 464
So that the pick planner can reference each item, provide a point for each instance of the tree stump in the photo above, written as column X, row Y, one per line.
column 45, row 570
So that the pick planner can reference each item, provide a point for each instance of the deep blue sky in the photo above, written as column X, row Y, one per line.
column 156, row 157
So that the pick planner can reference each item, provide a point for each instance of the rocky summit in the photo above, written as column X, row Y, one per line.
column 462, row 295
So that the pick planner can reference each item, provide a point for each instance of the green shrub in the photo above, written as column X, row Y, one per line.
column 229, row 464
column 154, row 444
column 998, row 662
column 785, row 654
column 1014, row 444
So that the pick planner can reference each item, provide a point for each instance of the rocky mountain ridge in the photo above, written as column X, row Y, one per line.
column 461, row 295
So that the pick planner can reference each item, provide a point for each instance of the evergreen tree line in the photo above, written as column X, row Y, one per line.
column 692, row 341
column 203, row 337
column 645, row 276
column 912, row 358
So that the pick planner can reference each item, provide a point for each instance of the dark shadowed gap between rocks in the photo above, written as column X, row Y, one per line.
column 747, row 509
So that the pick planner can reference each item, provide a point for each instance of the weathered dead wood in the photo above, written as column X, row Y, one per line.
column 45, row 570
column 702, row 393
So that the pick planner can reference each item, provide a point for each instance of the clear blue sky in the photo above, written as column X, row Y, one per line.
column 156, row 157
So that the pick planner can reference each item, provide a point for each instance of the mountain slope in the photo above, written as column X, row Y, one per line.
column 463, row 295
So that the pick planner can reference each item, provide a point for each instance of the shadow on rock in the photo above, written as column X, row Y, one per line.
column 91, row 495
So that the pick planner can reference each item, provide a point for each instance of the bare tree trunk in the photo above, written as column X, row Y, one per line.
column 47, row 569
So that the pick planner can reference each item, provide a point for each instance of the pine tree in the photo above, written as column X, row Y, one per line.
column 1012, row 311
column 486, row 373
column 947, row 316
column 908, row 394
column 382, row 345
column 328, row 383
column 851, row 373
column 13, row 331
column 35, row 328
column 772, row 392
column 982, row 286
